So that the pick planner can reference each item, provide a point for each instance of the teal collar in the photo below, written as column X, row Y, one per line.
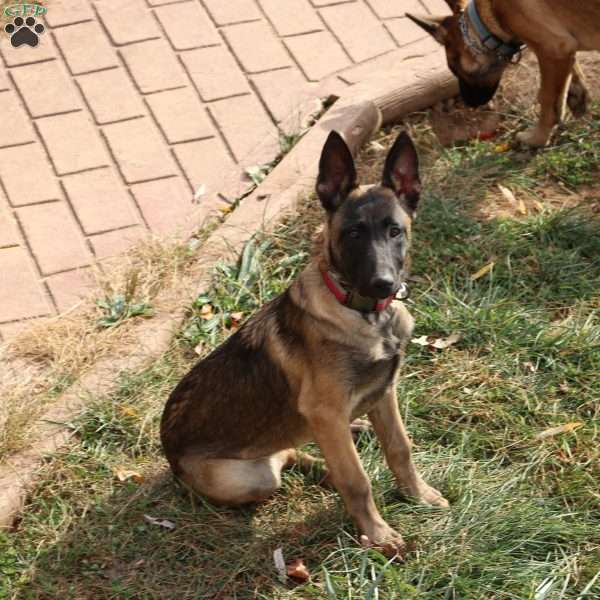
column 487, row 40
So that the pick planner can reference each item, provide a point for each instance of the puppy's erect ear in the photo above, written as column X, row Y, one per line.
column 457, row 5
column 434, row 26
column 337, row 175
column 401, row 172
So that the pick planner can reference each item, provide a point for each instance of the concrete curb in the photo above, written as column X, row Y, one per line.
column 357, row 115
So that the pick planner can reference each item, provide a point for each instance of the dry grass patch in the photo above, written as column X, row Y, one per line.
column 44, row 359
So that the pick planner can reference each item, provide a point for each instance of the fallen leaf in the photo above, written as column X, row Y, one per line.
column 199, row 192
column 123, row 474
column 160, row 522
column 558, row 430
column 521, row 208
column 128, row 411
column 280, row 564
column 539, row 206
column 238, row 316
column 258, row 172
column 297, row 570
column 376, row 146
column 421, row 341
column 501, row 147
column 530, row 366
column 206, row 312
column 483, row 271
column 438, row 343
column 443, row 343
column 199, row 348
column 508, row 195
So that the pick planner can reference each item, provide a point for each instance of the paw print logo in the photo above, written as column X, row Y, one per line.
column 24, row 31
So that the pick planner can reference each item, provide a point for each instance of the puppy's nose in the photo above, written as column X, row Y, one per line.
column 383, row 284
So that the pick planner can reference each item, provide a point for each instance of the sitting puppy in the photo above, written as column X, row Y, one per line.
column 324, row 352
column 482, row 36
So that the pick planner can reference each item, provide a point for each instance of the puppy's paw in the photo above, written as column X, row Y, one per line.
column 533, row 137
column 424, row 493
column 386, row 540
column 578, row 99
column 429, row 495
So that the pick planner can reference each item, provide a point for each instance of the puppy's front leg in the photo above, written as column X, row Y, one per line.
column 330, row 431
column 389, row 428
column 556, row 75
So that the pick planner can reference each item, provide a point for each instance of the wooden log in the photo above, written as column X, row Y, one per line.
column 415, row 84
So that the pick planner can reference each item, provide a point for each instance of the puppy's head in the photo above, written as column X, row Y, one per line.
column 478, row 74
column 368, row 228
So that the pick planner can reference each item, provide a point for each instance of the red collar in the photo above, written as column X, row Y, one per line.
column 353, row 299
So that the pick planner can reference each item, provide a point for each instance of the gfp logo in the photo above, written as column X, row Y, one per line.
column 24, row 10
column 24, row 29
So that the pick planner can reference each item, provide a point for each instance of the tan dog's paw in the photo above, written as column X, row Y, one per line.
column 533, row 137
column 425, row 494
column 429, row 495
column 386, row 540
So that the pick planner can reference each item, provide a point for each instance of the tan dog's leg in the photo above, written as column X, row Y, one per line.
column 578, row 95
column 556, row 74
column 332, row 434
column 389, row 428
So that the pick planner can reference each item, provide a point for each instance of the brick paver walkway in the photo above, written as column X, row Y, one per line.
column 127, row 107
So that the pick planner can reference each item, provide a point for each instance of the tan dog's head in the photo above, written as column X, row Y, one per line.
column 478, row 74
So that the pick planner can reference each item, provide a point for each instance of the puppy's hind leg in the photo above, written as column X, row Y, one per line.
column 235, row 481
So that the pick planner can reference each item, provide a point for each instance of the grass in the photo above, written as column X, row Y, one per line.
column 525, row 516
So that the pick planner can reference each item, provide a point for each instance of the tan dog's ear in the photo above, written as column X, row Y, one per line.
column 457, row 5
column 432, row 25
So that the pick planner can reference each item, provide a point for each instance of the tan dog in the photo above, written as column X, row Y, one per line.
column 324, row 352
column 482, row 35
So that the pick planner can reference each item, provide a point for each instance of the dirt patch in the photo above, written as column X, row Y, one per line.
column 453, row 122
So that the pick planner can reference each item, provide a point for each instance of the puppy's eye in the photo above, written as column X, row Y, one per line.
column 395, row 231
column 354, row 233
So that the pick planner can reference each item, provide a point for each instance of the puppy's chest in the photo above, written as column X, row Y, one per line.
column 372, row 371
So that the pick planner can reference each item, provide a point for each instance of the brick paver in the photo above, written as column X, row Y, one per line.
column 215, row 73
column 85, row 48
column 73, row 142
column 139, row 150
column 233, row 11
column 318, row 54
column 54, row 237
column 266, row 56
column 172, row 110
column 111, row 243
column 125, row 110
column 15, row 127
column 188, row 26
column 100, row 201
column 57, row 93
column 111, row 95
